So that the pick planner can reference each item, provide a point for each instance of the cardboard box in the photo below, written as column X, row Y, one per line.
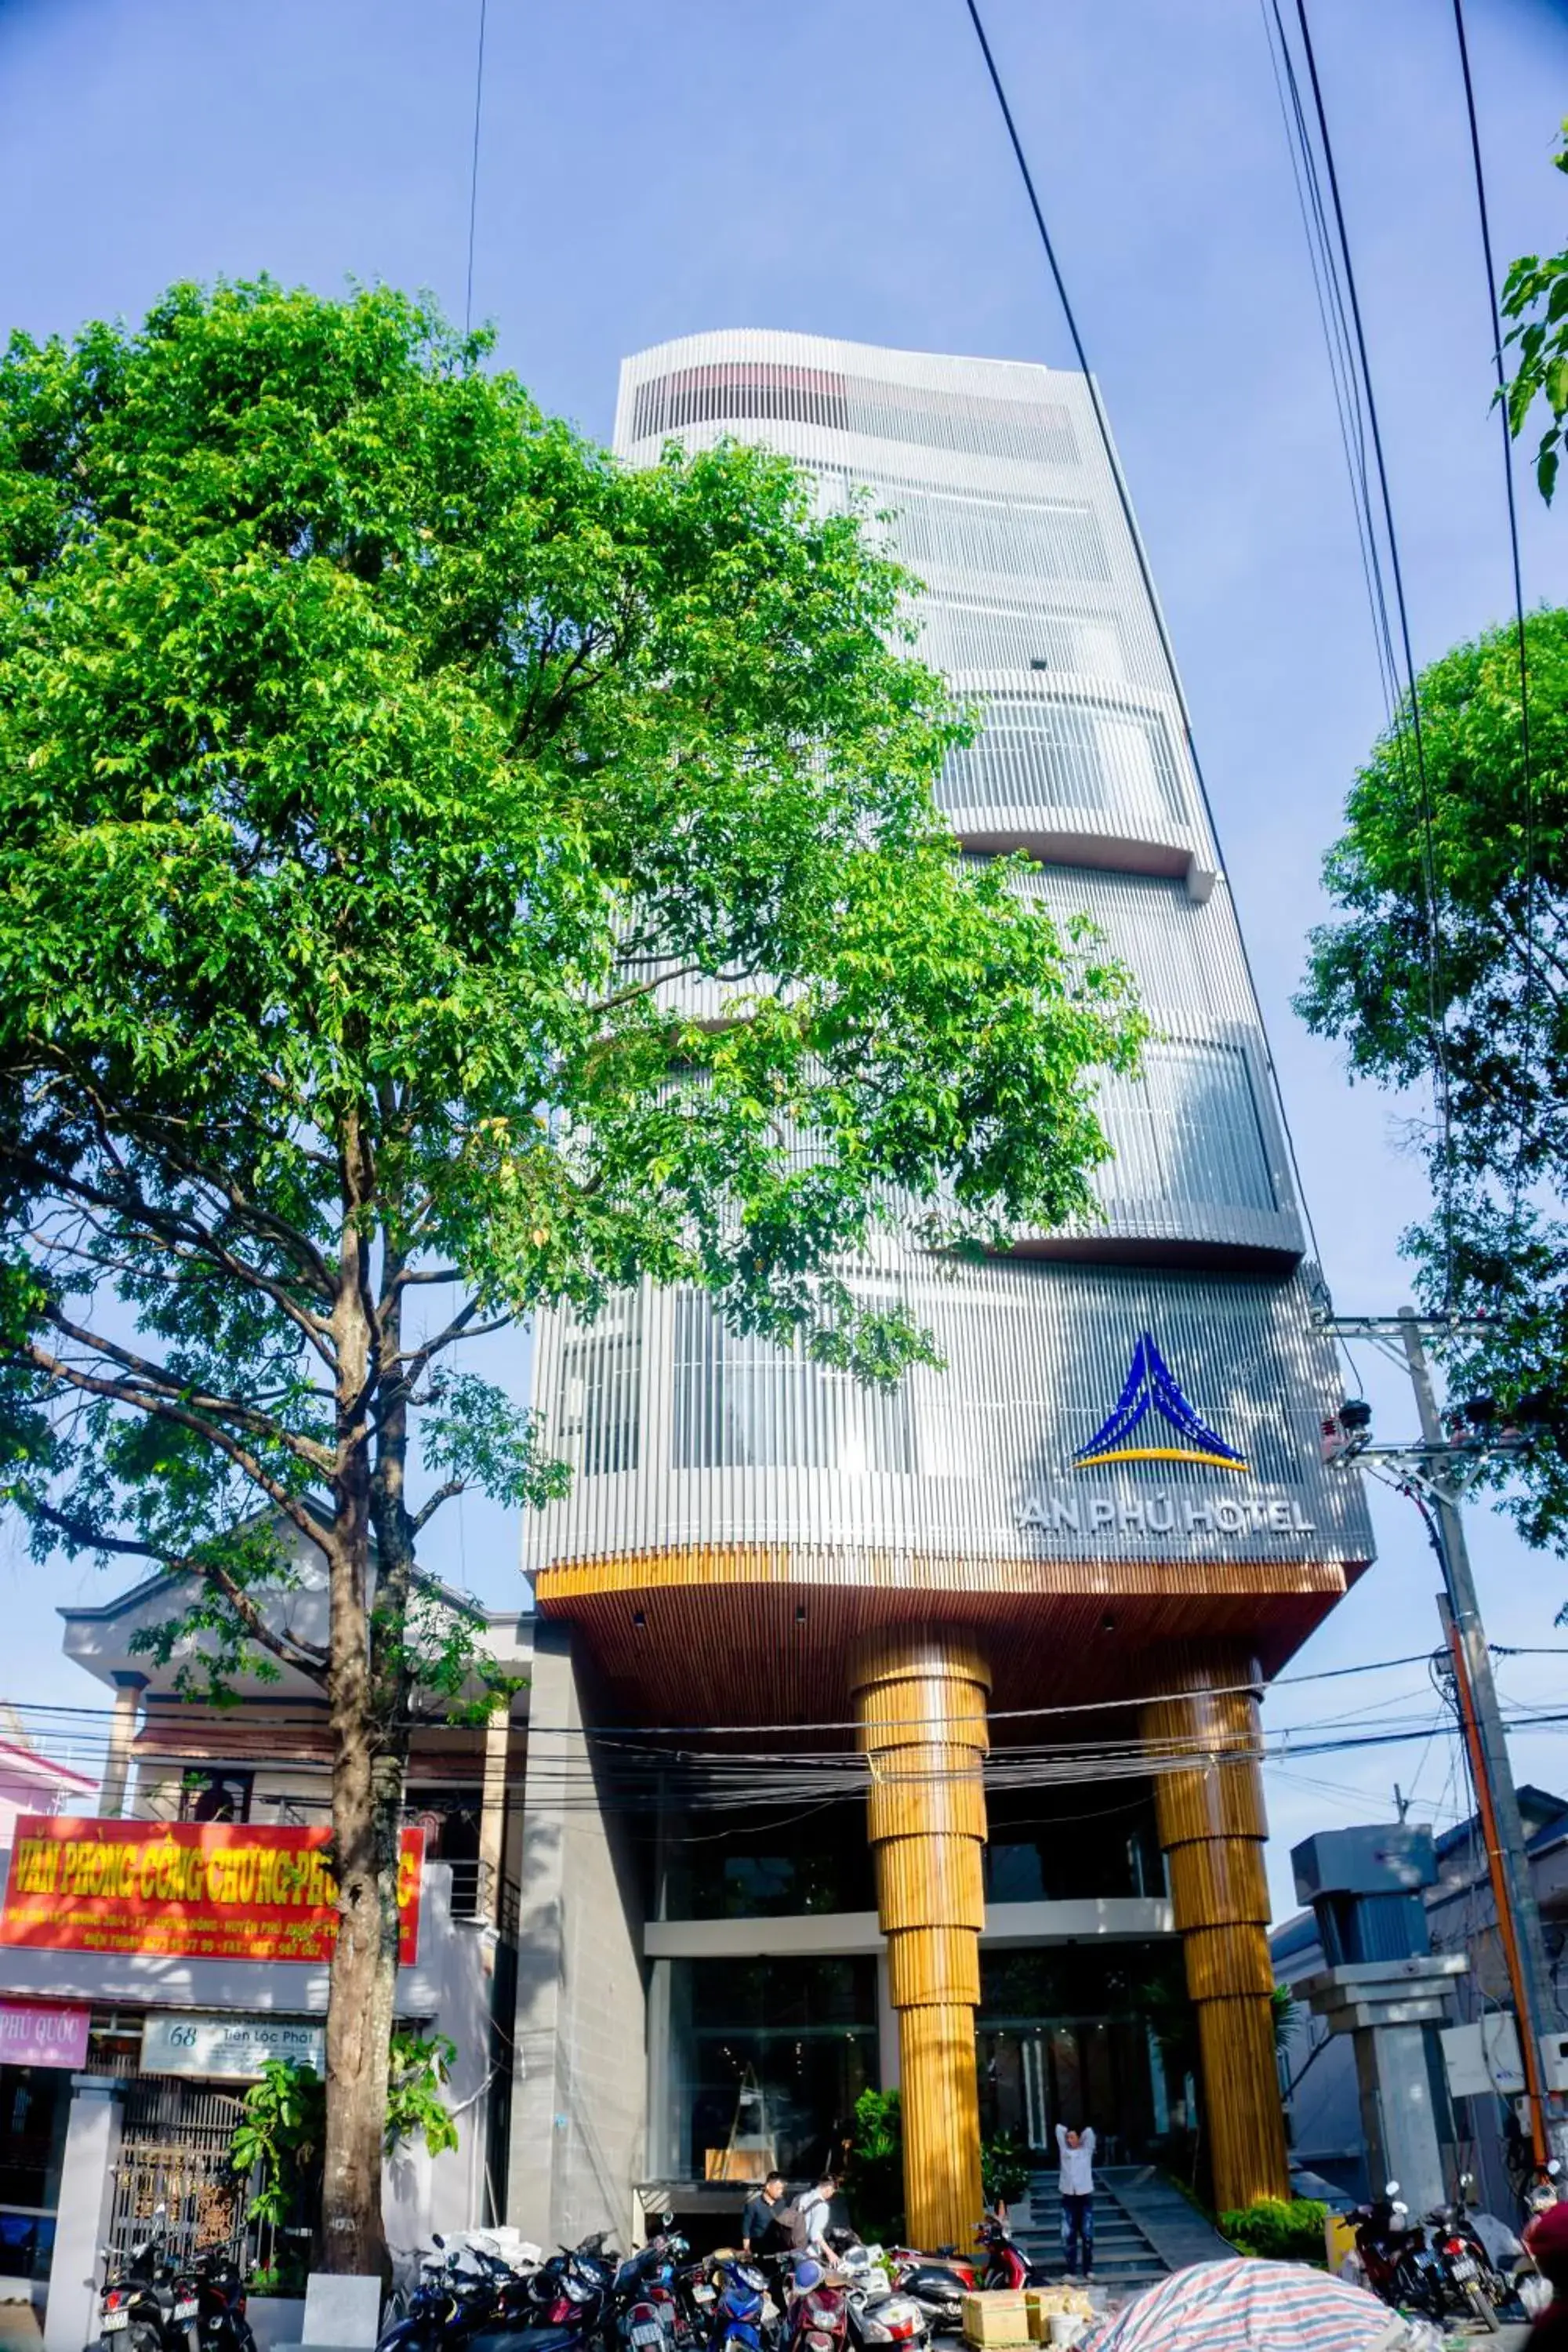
column 995, row 2317
column 1047, row 2303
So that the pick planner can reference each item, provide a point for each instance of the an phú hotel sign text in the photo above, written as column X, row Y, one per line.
column 190, row 1890
column 1153, row 1421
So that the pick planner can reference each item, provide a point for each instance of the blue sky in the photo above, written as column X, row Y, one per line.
column 838, row 166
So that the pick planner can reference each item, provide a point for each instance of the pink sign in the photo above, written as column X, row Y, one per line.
column 42, row 2033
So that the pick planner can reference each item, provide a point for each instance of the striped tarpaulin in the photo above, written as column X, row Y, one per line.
column 1254, row 2306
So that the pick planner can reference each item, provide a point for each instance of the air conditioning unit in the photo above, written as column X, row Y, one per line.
column 1555, row 2061
column 1483, row 2059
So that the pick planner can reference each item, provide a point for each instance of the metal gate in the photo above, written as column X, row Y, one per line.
column 175, row 2153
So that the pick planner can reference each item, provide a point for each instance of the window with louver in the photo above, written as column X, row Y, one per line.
column 1185, row 1131
column 1051, row 754
column 928, row 416
column 739, row 1401
column 598, row 1391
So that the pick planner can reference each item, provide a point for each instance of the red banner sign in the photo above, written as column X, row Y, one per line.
column 186, row 1890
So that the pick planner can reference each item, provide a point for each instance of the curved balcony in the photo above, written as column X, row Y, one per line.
column 1079, row 772
column 1199, row 1176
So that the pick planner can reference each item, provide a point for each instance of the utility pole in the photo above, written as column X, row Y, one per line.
column 1502, row 1825
column 1430, row 1477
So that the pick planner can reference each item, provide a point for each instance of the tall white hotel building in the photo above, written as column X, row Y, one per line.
column 1112, row 1500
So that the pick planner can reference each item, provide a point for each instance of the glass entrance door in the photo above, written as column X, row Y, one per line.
column 1083, row 2035
column 1075, row 2072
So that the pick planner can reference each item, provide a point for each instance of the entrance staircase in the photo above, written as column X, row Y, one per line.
column 1143, row 2227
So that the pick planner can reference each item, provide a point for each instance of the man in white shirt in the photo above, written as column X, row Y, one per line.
column 816, row 2212
column 1075, row 2179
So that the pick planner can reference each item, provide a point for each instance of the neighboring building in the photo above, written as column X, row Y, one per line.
column 34, row 2097
column 1112, row 1499
column 140, row 2050
column 1325, row 2124
column 32, row 1783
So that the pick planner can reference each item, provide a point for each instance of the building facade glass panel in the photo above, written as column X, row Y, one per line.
column 767, row 2058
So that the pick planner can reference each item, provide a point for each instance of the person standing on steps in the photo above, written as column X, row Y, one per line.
column 1075, row 2179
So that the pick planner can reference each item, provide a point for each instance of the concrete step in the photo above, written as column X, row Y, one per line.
column 1143, row 2227
column 1123, row 2257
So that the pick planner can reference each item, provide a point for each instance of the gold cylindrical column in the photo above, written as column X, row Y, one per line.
column 920, row 1700
column 1212, row 1827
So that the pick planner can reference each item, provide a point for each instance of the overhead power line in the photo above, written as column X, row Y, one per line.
column 1168, row 651
column 474, row 169
column 1495, row 316
column 1329, row 295
column 1427, row 859
column 302, row 1715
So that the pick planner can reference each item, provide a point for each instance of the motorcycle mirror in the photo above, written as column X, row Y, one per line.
column 438, row 2239
column 1391, row 2188
column 1553, row 2168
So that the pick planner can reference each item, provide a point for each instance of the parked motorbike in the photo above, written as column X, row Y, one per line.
column 1006, row 2263
column 453, row 2300
column 877, row 2314
column 1471, row 2282
column 816, row 2313
column 146, row 2304
column 647, row 2311
column 567, row 2303
column 937, row 2282
column 1394, row 2256
column 222, row 2325
column 735, row 2315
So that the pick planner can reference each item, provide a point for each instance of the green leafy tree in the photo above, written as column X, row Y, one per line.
column 874, row 2175
column 1535, row 297
column 420, row 2070
column 372, row 752
column 282, row 2134
column 1005, row 2169
column 1491, row 998
column 279, row 2139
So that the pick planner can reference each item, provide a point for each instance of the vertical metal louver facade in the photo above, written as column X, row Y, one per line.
column 1001, row 498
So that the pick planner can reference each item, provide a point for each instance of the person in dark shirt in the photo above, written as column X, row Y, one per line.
column 760, row 2229
column 1546, row 2241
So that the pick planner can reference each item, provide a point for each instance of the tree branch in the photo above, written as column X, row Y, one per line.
column 462, row 1327
column 164, row 1384
column 293, row 1652
column 158, row 1407
column 443, row 1494
column 175, row 1231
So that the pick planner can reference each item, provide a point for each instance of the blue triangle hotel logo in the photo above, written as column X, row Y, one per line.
column 1152, row 1389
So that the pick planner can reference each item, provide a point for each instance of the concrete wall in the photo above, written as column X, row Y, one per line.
column 423, row 2194
column 86, row 2184
column 579, row 2097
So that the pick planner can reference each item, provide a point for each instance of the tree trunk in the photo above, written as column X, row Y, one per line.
column 367, row 1787
column 367, row 1794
